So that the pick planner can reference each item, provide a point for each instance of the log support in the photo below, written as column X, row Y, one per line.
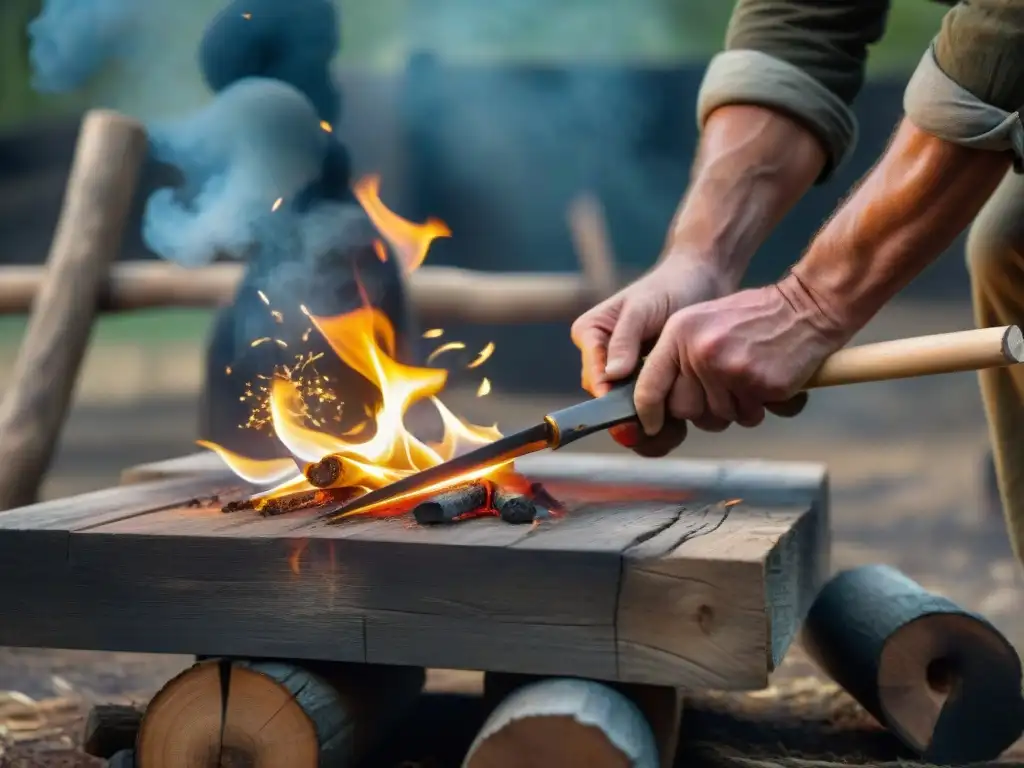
column 248, row 713
column 543, row 722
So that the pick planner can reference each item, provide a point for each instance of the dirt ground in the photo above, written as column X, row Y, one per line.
column 905, row 460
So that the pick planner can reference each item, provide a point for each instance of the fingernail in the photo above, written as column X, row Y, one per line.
column 651, row 428
column 616, row 366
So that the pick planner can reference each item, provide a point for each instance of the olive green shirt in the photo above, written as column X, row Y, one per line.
column 807, row 58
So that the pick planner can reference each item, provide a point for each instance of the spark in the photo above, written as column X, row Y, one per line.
column 277, row 315
column 263, row 297
column 325, row 126
column 302, row 308
column 277, row 204
column 316, row 403
column 281, row 343
column 246, row 16
column 382, row 252
column 484, row 356
column 434, row 333
column 260, row 340
column 227, row 369
column 485, row 388
column 305, row 334
column 451, row 345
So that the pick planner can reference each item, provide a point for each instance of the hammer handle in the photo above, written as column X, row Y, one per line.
column 922, row 356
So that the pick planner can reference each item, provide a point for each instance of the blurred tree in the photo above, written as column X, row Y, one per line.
column 379, row 35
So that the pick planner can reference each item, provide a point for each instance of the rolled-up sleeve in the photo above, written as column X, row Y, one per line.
column 805, row 58
column 969, row 86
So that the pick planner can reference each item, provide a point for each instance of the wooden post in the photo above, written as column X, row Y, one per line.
column 593, row 246
column 88, row 237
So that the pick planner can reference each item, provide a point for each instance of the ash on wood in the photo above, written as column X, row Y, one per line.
column 944, row 680
column 514, row 507
column 274, row 713
column 111, row 728
column 562, row 722
column 455, row 504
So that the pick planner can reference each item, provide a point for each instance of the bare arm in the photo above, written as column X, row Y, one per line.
column 908, row 210
column 752, row 166
column 774, row 109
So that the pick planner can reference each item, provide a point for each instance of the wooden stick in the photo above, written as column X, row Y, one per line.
column 564, row 722
column 275, row 713
column 945, row 681
column 88, row 237
column 439, row 294
column 922, row 356
column 593, row 245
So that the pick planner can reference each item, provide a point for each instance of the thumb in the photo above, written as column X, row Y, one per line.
column 626, row 340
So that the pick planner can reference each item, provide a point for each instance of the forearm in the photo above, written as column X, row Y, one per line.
column 922, row 194
column 753, row 164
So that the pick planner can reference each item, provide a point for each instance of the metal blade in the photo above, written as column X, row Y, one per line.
column 478, row 461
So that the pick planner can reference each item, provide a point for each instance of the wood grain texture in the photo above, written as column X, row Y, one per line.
column 619, row 589
column 88, row 238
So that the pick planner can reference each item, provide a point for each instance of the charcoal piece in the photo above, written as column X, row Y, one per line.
column 453, row 505
column 514, row 507
column 324, row 473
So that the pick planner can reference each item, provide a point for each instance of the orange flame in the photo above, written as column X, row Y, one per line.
column 365, row 341
column 410, row 241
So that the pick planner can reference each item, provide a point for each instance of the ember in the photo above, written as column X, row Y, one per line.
column 327, row 468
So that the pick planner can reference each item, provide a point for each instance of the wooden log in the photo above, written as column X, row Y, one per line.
column 661, row 706
column 88, row 237
column 653, row 585
column 454, row 504
column 439, row 295
column 110, row 728
column 561, row 722
column 944, row 680
column 233, row 712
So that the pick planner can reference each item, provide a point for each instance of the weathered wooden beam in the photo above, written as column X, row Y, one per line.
column 438, row 294
column 669, row 590
column 64, row 299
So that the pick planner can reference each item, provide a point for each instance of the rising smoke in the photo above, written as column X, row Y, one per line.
column 264, row 180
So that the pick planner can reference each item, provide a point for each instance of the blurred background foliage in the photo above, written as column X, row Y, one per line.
column 380, row 34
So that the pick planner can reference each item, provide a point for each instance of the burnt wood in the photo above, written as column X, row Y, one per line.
column 647, row 580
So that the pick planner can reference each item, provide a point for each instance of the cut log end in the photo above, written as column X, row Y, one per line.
column 946, row 682
column 268, row 713
column 562, row 722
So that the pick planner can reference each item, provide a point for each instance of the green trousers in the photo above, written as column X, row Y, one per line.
column 995, row 257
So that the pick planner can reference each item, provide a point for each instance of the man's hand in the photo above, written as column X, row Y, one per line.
column 611, row 335
column 730, row 359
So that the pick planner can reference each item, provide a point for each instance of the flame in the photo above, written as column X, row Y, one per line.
column 410, row 241
column 380, row 450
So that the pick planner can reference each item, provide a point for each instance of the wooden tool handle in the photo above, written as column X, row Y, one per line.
column 922, row 356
